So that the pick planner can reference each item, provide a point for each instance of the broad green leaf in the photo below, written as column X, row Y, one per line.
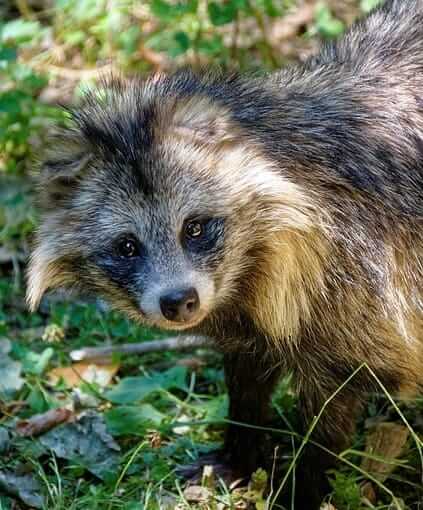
column 271, row 8
column 222, row 13
column 129, row 39
column 211, row 46
column 216, row 408
column 75, row 38
column 326, row 24
column 182, row 44
column 132, row 419
column 161, row 9
column 136, row 389
column 167, row 11
column 11, row 101
column 34, row 363
column 38, row 401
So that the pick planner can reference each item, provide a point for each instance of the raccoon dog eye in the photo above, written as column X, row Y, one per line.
column 128, row 247
column 194, row 229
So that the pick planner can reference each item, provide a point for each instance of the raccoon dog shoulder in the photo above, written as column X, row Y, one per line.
column 281, row 215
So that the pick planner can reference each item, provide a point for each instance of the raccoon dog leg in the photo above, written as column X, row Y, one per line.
column 331, row 435
column 250, row 384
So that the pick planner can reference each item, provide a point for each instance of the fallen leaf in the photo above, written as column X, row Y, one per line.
column 4, row 439
column 25, row 487
column 155, row 439
column 41, row 423
column 196, row 494
column 84, row 372
column 368, row 492
column 386, row 441
column 10, row 371
column 85, row 442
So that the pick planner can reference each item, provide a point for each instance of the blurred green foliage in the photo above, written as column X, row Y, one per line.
column 368, row 5
column 22, row 117
column 152, row 35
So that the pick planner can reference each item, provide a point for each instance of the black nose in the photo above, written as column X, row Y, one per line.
column 180, row 305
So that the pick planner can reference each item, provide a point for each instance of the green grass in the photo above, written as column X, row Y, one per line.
column 144, row 427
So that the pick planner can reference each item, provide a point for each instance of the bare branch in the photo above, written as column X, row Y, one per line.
column 177, row 343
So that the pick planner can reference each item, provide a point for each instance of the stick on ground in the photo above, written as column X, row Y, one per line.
column 176, row 343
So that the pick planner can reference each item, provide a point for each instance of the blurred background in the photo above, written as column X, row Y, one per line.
column 51, row 51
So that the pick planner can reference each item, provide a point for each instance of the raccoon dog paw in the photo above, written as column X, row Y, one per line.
column 192, row 473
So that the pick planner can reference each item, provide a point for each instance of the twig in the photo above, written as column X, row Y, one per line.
column 235, row 34
column 265, row 40
column 177, row 343
column 24, row 9
column 77, row 74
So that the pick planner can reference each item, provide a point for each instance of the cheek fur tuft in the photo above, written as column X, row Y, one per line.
column 44, row 272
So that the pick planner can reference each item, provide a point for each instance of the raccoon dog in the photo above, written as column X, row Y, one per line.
column 282, row 216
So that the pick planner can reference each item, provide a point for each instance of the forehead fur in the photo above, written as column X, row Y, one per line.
column 187, row 123
column 129, row 117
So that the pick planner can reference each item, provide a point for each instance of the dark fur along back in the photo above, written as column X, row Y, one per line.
column 307, row 189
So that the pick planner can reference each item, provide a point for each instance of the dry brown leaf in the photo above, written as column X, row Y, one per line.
column 387, row 441
column 368, row 492
column 288, row 26
column 84, row 371
column 196, row 494
column 155, row 439
column 41, row 423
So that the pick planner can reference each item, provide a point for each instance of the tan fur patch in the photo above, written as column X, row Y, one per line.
column 281, row 219
column 44, row 273
column 200, row 121
column 290, row 273
column 250, row 177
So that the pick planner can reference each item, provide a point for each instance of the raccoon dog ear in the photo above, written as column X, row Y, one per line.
column 63, row 166
column 203, row 122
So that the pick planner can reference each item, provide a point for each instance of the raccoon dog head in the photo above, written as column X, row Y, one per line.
column 158, row 200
